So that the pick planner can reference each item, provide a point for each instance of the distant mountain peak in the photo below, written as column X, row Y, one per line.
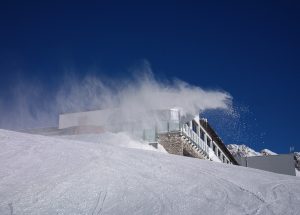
column 267, row 152
column 245, row 151
column 242, row 150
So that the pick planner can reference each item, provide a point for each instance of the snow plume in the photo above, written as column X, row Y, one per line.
column 238, row 125
column 27, row 104
column 32, row 106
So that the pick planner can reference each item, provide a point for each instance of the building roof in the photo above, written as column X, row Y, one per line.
column 217, row 140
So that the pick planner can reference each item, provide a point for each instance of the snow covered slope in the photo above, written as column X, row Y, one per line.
column 114, row 139
column 46, row 175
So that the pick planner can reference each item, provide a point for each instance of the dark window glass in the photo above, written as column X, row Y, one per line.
column 194, row 126
column 202, row 134
column 209, row 142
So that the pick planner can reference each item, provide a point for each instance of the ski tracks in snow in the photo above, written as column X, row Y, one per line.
column 239, row 187
column 99, row 203
column 271, row 203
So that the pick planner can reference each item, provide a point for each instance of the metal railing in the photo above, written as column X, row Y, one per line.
column 194, row 137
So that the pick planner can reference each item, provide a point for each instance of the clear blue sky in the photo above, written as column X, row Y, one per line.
column 249, row 48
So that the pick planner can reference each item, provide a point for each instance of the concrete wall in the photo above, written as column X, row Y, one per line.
column 283, row 164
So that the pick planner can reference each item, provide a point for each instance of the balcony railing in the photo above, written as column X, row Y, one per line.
column 173, row 126
column 194, row 137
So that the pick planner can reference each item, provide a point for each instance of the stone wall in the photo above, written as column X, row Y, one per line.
column 172, row 143
column 178, row 144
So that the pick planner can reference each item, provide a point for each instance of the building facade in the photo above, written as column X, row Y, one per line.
column 179, row 135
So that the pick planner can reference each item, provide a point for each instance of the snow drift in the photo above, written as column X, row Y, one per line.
column 46, row 175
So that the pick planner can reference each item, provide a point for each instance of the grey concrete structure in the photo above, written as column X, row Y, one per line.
column 283, row 164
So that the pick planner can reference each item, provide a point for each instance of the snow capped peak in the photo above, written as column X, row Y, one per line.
column 245, row 151
column 241, row 150
column 267, row 152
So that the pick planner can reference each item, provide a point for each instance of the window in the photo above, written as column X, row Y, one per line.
column 194, row 126
column 219, row 154
column 214, row 147
column 208, row 141
column 223, row 158
column 202, row 134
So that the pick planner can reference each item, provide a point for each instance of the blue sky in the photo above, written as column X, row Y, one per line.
column 248, row 48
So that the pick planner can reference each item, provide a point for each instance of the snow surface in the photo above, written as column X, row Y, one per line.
column 46, row 175
column 213, row 156
column 121, row 139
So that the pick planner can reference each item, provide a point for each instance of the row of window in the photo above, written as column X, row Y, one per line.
column 209, row 142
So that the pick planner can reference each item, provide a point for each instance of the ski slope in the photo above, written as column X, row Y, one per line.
column 46, row 175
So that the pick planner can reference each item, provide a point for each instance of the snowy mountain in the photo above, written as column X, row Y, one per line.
column 241, row 150
column 47, row 175
column 245, row 151
column 267, row 152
